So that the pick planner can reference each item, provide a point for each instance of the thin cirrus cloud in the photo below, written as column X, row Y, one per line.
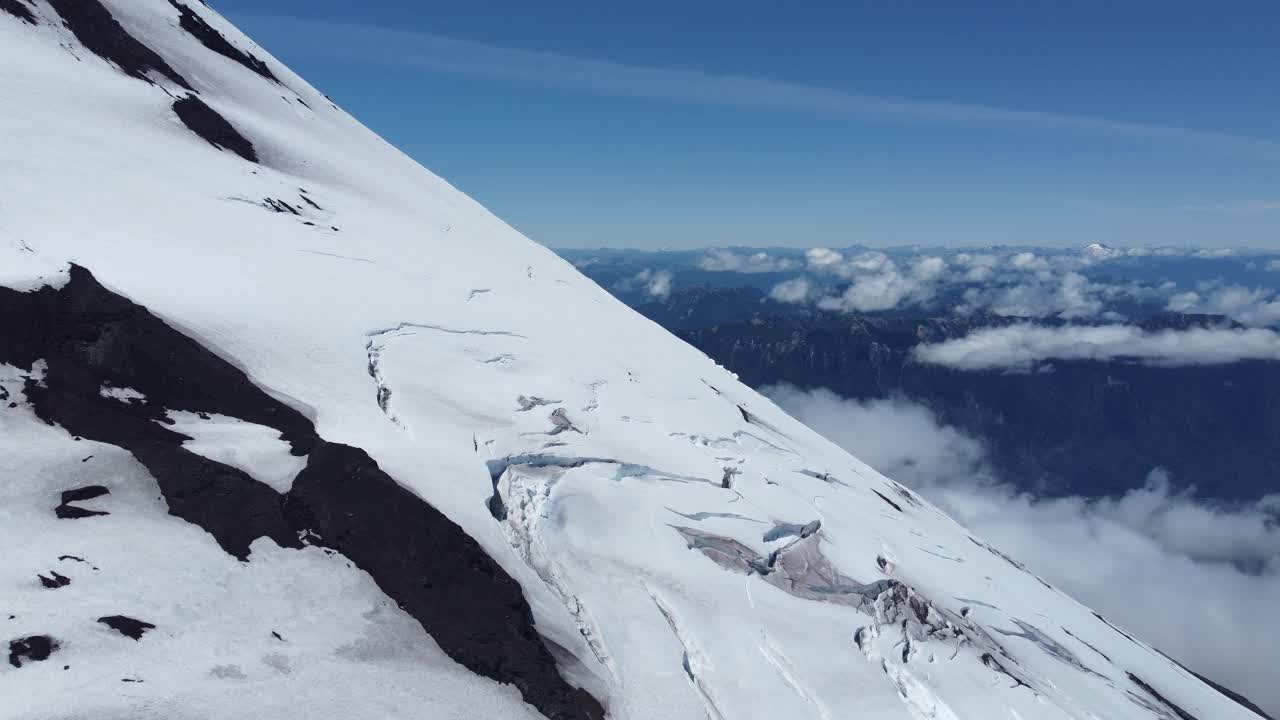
column 1237, row 207
column 1021, row 347
column 442, row 54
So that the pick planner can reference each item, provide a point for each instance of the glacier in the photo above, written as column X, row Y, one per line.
column 333, row 441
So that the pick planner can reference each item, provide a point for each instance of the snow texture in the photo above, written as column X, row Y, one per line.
column 256, row 449
column 686, row 549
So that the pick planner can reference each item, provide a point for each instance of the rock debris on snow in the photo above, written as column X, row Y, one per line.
column 127, row 626
column 312, row 436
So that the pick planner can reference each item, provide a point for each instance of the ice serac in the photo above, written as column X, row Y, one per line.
column 287, row 419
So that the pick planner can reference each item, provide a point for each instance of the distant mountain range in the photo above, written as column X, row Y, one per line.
column 1074, row 428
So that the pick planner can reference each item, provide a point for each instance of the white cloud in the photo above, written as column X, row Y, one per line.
column 1068, row 296
column 979, row 268
column 1255, row 307
column 870, row 293
column 820, row 258
column 726, row 260
column 656, row 284
column 1184, row 302
column 1008, row 283
column 1028, row 261
column 875, row 281
column 928, row 268
column 1020, row 347
column 659, row 284
column 1198, row 580
column 795, row 290
column 895, row 436
column 1214, row 253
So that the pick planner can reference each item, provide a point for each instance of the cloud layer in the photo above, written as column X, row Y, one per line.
column 1198, row 580
column 1021, row 347
column 1256, row 306
column 1083, row 284
column 1011, row 283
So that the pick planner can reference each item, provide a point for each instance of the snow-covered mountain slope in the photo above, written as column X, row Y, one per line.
column 292, row 428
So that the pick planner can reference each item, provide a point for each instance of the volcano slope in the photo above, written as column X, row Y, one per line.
column 292, row 428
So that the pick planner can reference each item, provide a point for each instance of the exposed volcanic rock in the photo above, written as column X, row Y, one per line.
column 55, row 581
column 215, row 41
column 87, row 492
column 97, row 30
column 91, row 338
column 19, row 10
column 208, row 124
column 68, row 511
column 346, row 576
column 1182, row 714
column 127, row 626
column 36, row 648
column 437, row 573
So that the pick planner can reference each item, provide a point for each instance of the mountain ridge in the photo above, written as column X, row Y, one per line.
column 379, row 310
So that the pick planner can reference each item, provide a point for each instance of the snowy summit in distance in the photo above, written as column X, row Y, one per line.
column 292, row 428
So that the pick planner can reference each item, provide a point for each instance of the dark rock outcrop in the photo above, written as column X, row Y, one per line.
column 87, row 492
column 102, row 34
column 19, row 10
column 208, row 124
column 1182, row 714
column 127, row 626
column 67, row 511
column 90, row 338
column 436, row 572
column 55, row 581
column 191, row 21
column 36, row 648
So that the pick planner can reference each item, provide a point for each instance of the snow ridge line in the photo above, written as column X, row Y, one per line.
column 691, row 659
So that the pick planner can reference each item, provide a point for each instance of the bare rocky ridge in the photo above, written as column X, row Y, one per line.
column 192, row 22
column 18, row 9
column 91, row 338
column 97, row 30
column 208, row 124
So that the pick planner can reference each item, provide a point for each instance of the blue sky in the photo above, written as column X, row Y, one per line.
column 665, row 124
